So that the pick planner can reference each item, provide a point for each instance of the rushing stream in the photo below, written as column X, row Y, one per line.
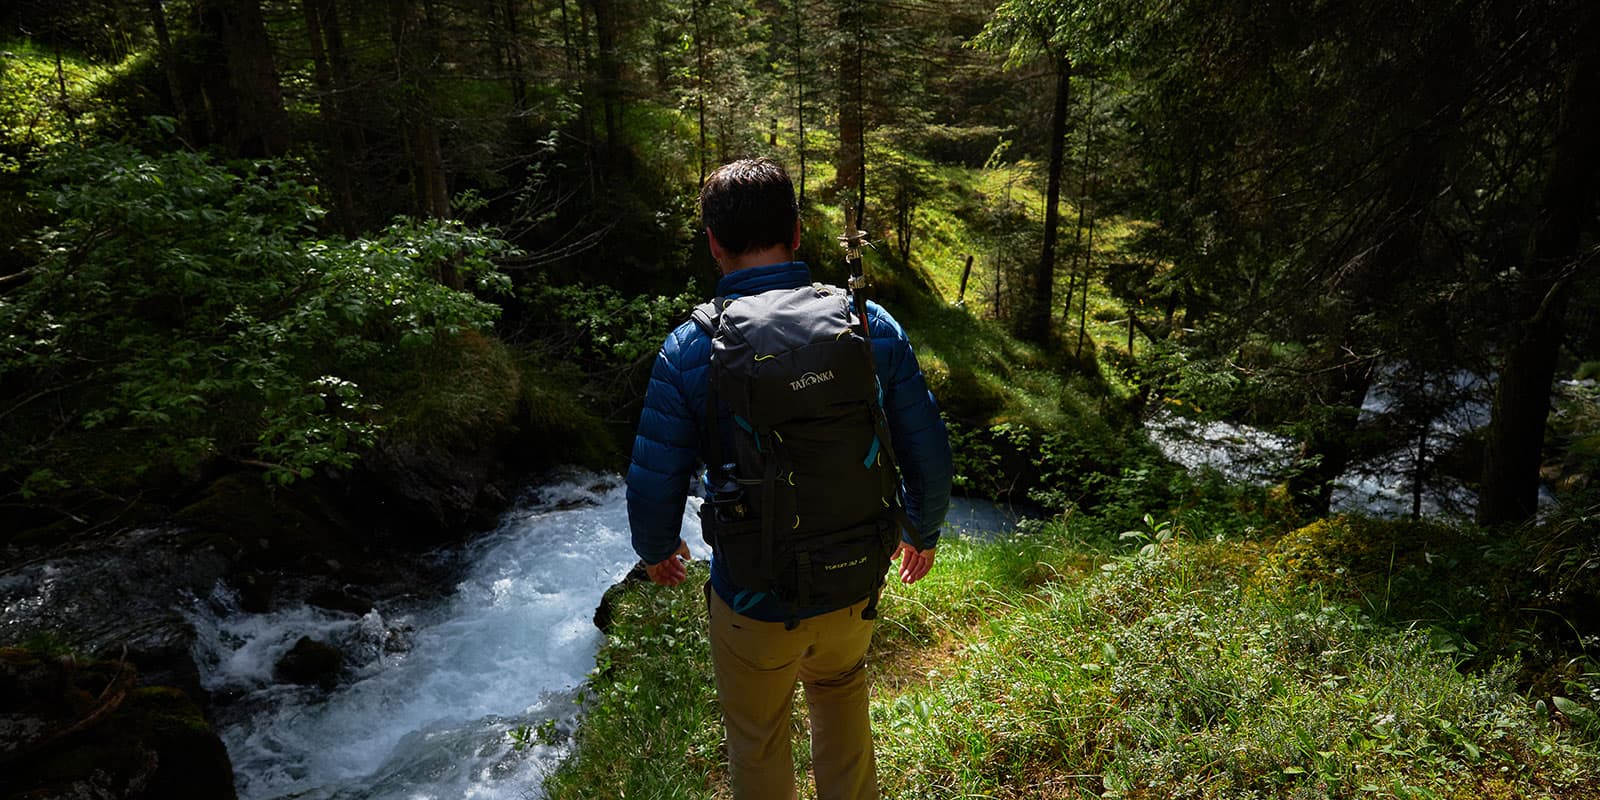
column 431, row 694
column 428, row 701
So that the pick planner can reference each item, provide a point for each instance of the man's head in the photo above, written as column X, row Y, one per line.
column 748, row 206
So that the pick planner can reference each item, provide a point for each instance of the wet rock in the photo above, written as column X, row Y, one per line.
column 164, row 654
column 191, row 762
column 339, row 600
column 424, row 493
column 254, row 590
column 263, row 529
column 117, row 597
column 310, row 662
column 399, row 638
column 605, row 612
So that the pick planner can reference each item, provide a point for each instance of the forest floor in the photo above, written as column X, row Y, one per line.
column 1059, row 662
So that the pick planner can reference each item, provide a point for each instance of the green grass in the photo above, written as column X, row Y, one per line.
column 1040, row 666
column 35, row 113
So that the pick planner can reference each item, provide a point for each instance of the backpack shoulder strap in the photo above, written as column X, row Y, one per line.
column 706, row 315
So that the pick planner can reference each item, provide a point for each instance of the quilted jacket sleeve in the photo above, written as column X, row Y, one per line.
column 664, row 450
column 921, row 443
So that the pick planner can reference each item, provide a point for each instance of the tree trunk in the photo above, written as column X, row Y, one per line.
column 1131, row 319
column 605, row 33
column 337, row 163
column 257, row 125
column 851, row 159
column 1083, row 285
column 169, row 65
column 1510, row 485
column 61, row 96
column 1034, row 325
column 1419, row 472
column 431, row 195
column 800, row 95
column 700, row 83
column 1073, row 282
column 519, row 86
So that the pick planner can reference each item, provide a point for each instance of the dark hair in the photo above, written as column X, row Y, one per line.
column 749, row 205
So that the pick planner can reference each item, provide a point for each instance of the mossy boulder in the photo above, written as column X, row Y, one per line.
column 71, row 728
column 268, row 528
column 1363, row 558
column 606, row 612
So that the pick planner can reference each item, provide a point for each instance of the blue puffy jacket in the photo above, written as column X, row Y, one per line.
column 671, row 444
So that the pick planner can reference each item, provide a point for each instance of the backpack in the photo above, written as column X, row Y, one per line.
column 805, row 503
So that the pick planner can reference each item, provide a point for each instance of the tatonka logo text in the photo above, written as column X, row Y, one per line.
column 844, row 564
column 811, row 379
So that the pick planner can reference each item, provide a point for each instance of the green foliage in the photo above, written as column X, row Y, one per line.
column 1160, row 676
column 1478, row 595
column 1025, row 29
column 1086, row 467
column 190, row 306
column 453, row 391
column 603, row 326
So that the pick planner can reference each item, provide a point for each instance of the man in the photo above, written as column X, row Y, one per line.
column 752, row 225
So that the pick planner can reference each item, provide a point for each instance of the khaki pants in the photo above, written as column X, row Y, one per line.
column 757, row 664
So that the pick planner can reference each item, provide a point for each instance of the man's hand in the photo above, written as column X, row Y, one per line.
column 914, row 563
column 671, row 572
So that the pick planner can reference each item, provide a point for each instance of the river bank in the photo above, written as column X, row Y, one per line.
column 121, row 595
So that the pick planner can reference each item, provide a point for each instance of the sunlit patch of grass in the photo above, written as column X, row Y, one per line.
column 1036, row 666
column 40, row 109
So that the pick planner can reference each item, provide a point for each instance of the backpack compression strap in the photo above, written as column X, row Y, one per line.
column 706, row 316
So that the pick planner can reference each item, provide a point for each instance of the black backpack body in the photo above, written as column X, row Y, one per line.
column 804, row 501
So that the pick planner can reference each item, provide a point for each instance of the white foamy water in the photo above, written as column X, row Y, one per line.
column 1380, row 486
column 425, row 709
column 1240, row 452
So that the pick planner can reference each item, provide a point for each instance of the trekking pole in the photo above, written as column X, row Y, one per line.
column 852, row 240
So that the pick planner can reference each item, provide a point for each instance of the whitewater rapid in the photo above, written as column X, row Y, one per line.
column 431, row 696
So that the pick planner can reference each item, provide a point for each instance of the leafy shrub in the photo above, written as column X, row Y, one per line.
column 451, row 391
column 1088, row 467
column 1388, row 566
column 602, row 326
column 189, row 308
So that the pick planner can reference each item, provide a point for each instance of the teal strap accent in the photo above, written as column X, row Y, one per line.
column 746, row 600
column 744, row 423
column 872, row 453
